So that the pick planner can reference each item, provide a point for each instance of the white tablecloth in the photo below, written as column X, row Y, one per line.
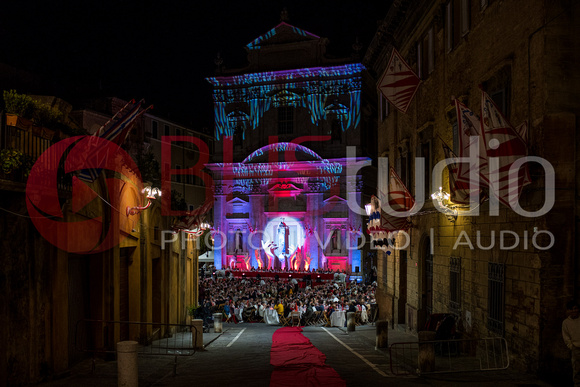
column 363, row 316
column 238, row 313
column 271, row 317
column 337, row 318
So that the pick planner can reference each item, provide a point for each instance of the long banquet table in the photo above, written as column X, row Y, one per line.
column 338, row 318
column 283, row 275
column 271, row 317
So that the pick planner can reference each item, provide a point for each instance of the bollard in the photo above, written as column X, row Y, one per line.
column 382, row 334
column 426, row 356
column 217, row 322
column 127, row 369
column 197, row 334
column 350, row 321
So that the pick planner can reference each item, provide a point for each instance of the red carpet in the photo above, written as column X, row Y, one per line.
column 299, row 363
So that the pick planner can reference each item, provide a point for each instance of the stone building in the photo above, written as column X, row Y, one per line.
column 503, row 284
column 283, row 125
column 72, row 252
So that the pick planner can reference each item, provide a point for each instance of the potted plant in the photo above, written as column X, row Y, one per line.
column 44, row 120
column 19, row 109
column 13, row 161
column 191, row 313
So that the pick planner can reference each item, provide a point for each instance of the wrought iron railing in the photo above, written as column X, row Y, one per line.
column 448, row 356
column 158, row 339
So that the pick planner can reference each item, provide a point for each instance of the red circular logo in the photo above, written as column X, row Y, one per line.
column 89, row 227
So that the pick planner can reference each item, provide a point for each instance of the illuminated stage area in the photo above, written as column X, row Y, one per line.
column 283, row 275
column 289, row 214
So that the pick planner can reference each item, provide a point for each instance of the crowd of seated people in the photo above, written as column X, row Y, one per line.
column 247, row 299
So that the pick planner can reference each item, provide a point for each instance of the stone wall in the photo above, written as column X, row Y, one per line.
column 535, row 52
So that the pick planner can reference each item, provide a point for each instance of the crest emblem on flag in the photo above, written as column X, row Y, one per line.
column 400, row 200
column 399, row 83
column 505, row 145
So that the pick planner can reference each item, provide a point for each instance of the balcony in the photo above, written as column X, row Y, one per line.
column 21, row 143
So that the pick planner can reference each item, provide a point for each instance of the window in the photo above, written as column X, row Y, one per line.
column 336, row 130
column 285, row 120
column 178, row 177
column 424, row 150
column 455, row 284
column 457, row 22
column 166, row 130
column 500, row 99
column 154, row 129
column 426, row 55
column 383, row 107
column 403, row 168
column 495, row 298
column 238, row 135
column 499, row 89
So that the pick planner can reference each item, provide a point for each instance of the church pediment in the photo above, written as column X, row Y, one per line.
column 335, row 199
column 237, row 201
column 283, row 33
column 237, row 207
column 284, row 190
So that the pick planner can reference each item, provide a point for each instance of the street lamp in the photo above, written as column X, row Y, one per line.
column 152, row 194
column 440, row 197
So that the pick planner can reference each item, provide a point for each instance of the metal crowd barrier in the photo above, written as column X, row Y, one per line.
column 463, row 355
column 157, row 339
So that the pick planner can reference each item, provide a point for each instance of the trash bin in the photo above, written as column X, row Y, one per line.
column 217, row 323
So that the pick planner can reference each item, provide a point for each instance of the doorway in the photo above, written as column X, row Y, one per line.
column 402, row 302
column 427, row 294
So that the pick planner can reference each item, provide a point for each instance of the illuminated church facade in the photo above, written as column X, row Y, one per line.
column 290, row 141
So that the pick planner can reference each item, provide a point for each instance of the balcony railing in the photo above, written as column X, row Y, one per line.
column 31, row 141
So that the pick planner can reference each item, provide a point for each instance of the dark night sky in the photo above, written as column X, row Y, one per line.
column 161, row 50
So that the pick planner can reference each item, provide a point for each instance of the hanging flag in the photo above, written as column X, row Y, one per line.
column 504, row 143
column 459, row 191
column 469, row 131
column 119, row 131
column 116, row 133
column 399, row 83
column 193, row 219
column 400, row 200
column 522, row 131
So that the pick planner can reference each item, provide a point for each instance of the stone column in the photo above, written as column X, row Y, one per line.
column 256, row 221
column 350, row 321
column 197, row 334
column 314, row 219
column 354, row 219
column 219, row 222
column 426, row 356
column 127, row 368
column 217, row 322
column 382, row 334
